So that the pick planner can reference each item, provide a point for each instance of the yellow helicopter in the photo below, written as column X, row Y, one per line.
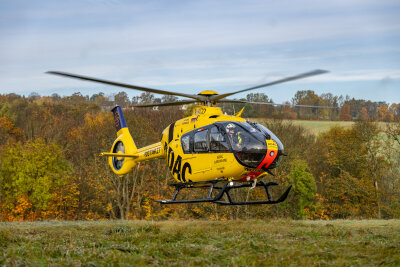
column 208, row 149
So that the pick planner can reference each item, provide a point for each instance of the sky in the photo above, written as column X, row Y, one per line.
column 191, row 46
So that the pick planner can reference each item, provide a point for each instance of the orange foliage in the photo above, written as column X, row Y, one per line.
column 364, row 114
column 345, row 113
column 385, row 114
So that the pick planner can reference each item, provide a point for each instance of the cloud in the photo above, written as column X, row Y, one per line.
column 224, row 44
column 387, row 80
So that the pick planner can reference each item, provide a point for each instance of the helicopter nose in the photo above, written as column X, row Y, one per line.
column 271, row 156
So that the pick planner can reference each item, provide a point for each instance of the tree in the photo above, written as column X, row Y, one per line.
column 33, row 96
column 364, row 114
column 307, row 97
column 393, row 131
column 8, row 131
column 287, row 112
column 56, row 97
column 76, row 99
column 35, row 179
column 395, row 110
column 122, row 99
column 330, row 101
column 348, row 164
column 345, row 113
column 169, row 98
column 304, row 188
column 384, row 114
column 348, row 196
column 99, row 99
column 146, row 98
column 258, row 110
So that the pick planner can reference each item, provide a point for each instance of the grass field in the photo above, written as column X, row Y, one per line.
column 314, row 127
column 317, row 127
column 199, row 243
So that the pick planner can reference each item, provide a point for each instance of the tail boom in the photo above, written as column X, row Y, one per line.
column 143, row 154
column 124, row 154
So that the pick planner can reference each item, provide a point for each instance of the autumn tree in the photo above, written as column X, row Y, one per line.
column 356, row 170
column 307, row 97
column 35, row 182
column 258, row 110
column 122, row 99
column 347, row 167
column 395, row 110
column 99, row 99
column 146, row 98
column 393, row 131
column 169, row 98
column 332, row 101
column 384, row 114
column 364, row 114
column 345, row 113
column 8, row 131
column 287, row 112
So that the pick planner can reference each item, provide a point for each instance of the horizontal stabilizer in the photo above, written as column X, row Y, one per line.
column 119, row 155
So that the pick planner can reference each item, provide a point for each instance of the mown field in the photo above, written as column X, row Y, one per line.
column 317, row 127
column 314, row 127
column 191, row 243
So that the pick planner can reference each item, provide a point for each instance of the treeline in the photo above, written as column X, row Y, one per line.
column 50, row 169
column 340, row 108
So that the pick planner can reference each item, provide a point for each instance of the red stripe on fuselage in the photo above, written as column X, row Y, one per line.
column 268, row 159
column 265, row 163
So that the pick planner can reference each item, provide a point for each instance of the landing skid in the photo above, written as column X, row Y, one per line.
column 224, row 189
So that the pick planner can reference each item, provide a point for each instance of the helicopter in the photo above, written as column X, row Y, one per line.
column 208, row 149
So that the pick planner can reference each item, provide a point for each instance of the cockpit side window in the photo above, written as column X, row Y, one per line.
column 185, row 141
column 200, row 141
column 218, row 142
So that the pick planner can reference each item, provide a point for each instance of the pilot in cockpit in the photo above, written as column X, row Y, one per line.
column 235, row 135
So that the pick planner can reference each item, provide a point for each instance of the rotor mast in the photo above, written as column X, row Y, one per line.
column 207, row 94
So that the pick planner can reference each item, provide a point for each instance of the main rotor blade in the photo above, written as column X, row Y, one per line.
column 271, row 104
column 129, row 86
column 300, row 76
column 165, row 104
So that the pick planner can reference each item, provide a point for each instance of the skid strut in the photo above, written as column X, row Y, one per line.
column 225, row 189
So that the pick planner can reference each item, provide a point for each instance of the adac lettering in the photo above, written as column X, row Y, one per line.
column 175, row 166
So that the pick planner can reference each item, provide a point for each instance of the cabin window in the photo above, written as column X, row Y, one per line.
column 200, row 141
column 185, row 141
column 218, row 142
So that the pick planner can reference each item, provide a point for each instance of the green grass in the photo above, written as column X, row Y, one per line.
column 200, row 243
column 317, row 127
column 314, row 127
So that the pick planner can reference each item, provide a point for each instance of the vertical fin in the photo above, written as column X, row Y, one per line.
column 119, row 119
column 239, row 113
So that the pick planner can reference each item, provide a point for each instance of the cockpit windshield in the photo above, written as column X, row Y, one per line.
column 270, row 134
column 248, row 142
column 244, row 138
